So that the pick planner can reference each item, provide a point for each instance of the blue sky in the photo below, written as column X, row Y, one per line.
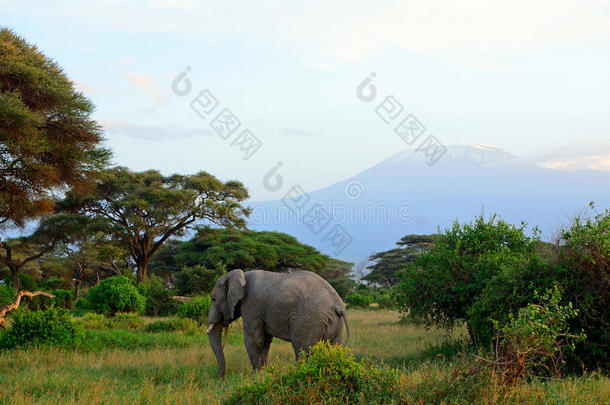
column 529, row 76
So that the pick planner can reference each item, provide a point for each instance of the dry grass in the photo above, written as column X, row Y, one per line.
column 182, row 369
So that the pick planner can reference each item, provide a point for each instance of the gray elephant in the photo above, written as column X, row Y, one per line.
column 299, row 307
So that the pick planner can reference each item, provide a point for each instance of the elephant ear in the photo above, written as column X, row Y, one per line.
column 236, row 283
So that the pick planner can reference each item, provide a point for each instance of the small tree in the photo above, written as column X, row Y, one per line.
column 147, row 208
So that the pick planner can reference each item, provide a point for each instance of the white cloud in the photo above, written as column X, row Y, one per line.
column 594, row 156
column 141, row 80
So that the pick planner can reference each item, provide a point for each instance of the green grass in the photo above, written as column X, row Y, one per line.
column 133, row 366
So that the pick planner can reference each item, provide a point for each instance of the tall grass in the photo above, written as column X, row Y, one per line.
column 134, row 366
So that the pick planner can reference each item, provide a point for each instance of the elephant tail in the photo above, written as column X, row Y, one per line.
column 344, row 316
column 342, row 312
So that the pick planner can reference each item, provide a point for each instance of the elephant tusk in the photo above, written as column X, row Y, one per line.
column 226, row 337
column 210, row 327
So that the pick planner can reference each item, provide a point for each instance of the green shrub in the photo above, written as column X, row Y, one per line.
column 329, row 375
column 158, row 297
column 53, row 326
column 443, row 284
column 7, row 295
column 63, row 299
column 81, row 307
column 54, row 283
column 357, row 300
column 115, row 294
column 172, row 325
column 197, row 279
column 536, row 340
column 197, row 309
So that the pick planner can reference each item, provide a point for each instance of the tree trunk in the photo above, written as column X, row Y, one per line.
column 473, row 336
column 14, row 276
column 76, row 288
column 141, row 272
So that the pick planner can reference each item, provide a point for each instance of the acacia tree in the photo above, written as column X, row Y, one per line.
column 48, row 140
column 16, row 253
column 147, row 208
column 387, row 265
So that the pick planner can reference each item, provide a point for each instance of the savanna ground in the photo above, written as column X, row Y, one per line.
column 133, row 366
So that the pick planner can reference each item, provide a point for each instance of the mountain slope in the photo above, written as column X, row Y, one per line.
column 403, row 195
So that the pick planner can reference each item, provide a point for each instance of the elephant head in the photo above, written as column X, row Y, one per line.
column 224, row 309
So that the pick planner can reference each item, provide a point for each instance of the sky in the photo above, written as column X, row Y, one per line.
column 531, row 77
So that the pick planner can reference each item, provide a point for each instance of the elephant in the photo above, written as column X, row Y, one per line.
column 300, row 307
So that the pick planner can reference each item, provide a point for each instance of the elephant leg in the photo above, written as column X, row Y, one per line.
column 267, row 344
column 254, row 339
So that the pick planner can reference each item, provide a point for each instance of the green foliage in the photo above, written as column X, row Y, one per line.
column 158, row 297
column 48, row 137
column 7, row 294
column 26, row 282
column 119, row 321
column 172, row 325
column 63, row 299
column 53, row 326
column 330, row 374
column 442, row 284
column 387, row 265
column 146, row 208
column 242, row 249
column 54, row 283
column 343, row 285
column 115, row 294
column 197, row 309
column 535, row 341
column 357, row 300
column 197, row 279
column 584, row 268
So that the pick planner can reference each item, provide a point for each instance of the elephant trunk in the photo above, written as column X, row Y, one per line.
column 214, row 336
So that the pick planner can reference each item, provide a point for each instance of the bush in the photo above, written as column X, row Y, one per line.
column 535, row 341
column 443, row 284
column 63, row 299
column 172, row 325
column 197, row 309
column 330, row 374
column 158, row 297
column 584, row 263
column 197, row 279
column 115, row 294
column 7, row 295
column 54, row 283
column 26, row 282
column 357, row 300
column 53, row 326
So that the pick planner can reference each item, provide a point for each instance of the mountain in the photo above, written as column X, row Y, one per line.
column 403, row 195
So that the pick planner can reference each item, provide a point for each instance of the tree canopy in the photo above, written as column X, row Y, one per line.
column 386, row 265
column 243, row 249
column 48, row 140
column 147, row 208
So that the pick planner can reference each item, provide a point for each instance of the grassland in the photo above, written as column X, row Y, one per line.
column 132, row 366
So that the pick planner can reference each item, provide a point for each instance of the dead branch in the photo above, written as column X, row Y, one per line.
column 23, row 293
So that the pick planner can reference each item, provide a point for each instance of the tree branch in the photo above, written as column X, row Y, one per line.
column 15, row 305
